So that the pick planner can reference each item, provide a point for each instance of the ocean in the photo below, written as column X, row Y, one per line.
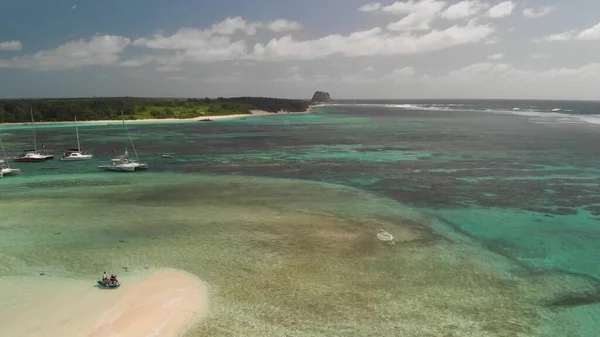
column 494, row 207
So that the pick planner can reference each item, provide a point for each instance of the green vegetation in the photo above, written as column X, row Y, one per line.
column 54, row 110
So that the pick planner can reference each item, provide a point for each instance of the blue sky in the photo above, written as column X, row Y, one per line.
column 353, row 49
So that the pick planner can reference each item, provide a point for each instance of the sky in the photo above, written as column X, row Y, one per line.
column 352, row 49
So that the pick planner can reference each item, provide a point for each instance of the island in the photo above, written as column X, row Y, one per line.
column 321, row 97
column 135, row 108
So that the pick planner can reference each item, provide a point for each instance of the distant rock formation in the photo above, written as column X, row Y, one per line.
column 321, row 97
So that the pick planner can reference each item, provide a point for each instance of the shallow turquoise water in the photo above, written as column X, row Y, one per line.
column 525, row 192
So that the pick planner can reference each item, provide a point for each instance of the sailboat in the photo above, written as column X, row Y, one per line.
column 123, row 163
column 76, row 154
column 33, row 156
column 5, row 169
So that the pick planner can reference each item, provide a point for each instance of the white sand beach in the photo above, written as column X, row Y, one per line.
column 162, row 303
column 253, row 113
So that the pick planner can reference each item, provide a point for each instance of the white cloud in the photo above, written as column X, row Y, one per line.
column 534, row 13
column 419, row 14
column 592, row 33
column 492, row 40
column 412, row 6
column 222, row 42
column 372, row 7
column 566, row 36
column 475, row 75
column 371, row 42
column 502, row 9
column 464, row 9
column 282, row 25
column 191, row 44
column 496, row 56
column 140, row 61
column 205, row 45
column 403, row 73
column 589, row 71
column 478, row 71
column 11, row 46
column 230, row 26
column 481, row 72
column 369, row 69
column 100, row 50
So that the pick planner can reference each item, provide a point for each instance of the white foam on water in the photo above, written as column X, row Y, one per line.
column 556, row 115
column 592, row 119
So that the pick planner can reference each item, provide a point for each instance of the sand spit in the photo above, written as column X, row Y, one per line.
column 253, row 113
column 163, row 303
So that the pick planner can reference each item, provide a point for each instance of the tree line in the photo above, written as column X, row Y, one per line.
column 54, row 110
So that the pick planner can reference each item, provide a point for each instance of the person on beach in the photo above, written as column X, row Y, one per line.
column 113, row 278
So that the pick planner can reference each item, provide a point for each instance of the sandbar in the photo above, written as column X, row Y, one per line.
column 253, row 113
column 162, row 303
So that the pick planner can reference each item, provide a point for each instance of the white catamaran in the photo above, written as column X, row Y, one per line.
column 76, row 154
column 123, row 163
column 5, row 169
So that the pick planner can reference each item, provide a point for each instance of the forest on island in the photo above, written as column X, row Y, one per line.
column 86, row 109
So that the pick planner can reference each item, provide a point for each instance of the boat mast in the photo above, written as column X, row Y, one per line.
column 4, row 152
column 124, row 128
column 77, row 132
column 33, row 124
column 130, row 139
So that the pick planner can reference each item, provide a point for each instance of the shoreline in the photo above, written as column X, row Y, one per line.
column 253, row 113
column 164, row 302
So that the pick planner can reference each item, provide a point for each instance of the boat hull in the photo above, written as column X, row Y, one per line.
column 117, row 168
column 124, row 168
column 101, row 283
column 33, row 159
column 79, row 158
column 6, row 172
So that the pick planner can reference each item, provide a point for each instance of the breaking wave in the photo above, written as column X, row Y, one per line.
column 538, row 113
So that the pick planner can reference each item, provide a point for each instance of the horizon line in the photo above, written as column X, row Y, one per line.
column 308, row 99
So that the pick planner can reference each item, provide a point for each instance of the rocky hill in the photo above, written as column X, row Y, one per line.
column 321, row 97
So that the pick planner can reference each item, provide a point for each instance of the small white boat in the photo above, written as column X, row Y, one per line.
column 5, row 169
column 76, row 154
column 33, row 155
column 123, row 163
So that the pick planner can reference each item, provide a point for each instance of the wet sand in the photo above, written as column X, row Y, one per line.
column 163, row 303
